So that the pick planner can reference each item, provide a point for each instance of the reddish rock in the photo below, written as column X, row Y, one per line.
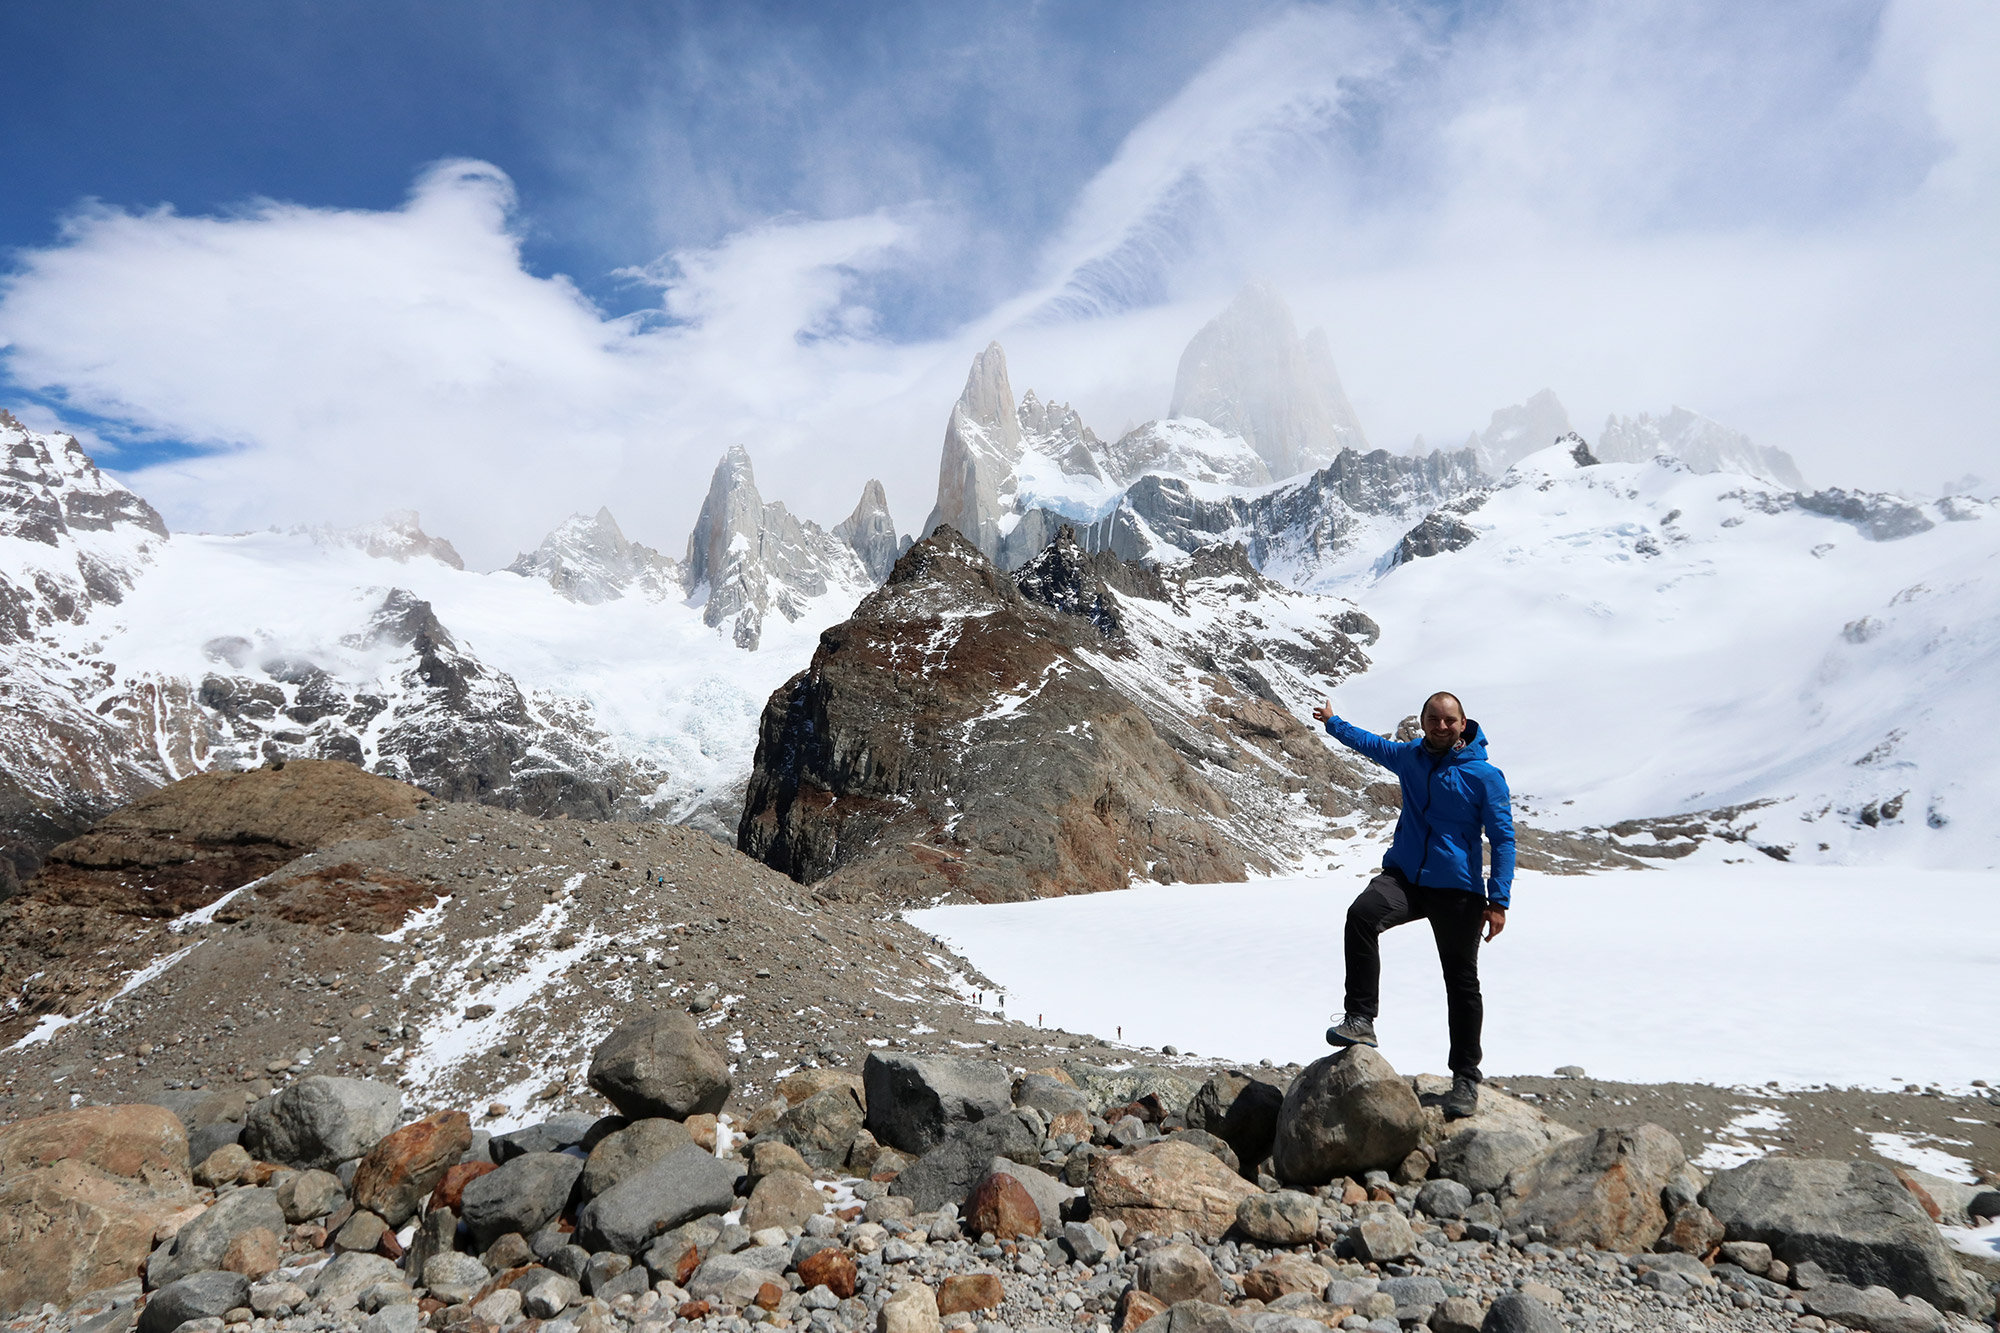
column 82, row 1194
column 409, row 1163
column 1283, row 1274
column 1352, row 1193
column 970, row 1291
column 832, row 1269
column 1135, row 1307
column 1164, row 1187
column 768, row 1296
column 1693, row 1230
column 693, row 1310
column 1002, row 1205
column 684, row 1270
column 450, row 1191
column 1074, row 1123
column 253, row 1253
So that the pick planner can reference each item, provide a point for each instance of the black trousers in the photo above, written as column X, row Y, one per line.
column 1456, row 919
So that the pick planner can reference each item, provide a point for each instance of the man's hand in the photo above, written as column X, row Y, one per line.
column 1322, row 712
column 1496, row 921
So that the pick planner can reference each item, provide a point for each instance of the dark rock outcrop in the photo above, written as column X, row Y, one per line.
column 952, row 735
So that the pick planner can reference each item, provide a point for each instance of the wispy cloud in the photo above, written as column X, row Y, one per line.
column 1780, row 218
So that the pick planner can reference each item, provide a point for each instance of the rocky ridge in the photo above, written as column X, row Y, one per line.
column 1078, row 725
column 1021, row 737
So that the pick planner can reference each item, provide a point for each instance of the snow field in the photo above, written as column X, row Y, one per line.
column 1627, row 663
column 1710, row 972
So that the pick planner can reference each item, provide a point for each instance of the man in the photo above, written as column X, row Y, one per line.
column 1433, row 870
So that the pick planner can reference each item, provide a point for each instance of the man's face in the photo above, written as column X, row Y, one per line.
column 1444, row 725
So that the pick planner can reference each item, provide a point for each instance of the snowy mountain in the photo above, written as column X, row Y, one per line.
column 587, row 559
column 1704, row 445
column 1517, row 431
column 1649, row 638
column 1249, row 374
column 746, row 557
column 581, row 680
column 400, row 536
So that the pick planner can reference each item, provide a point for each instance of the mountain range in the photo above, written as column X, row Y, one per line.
column 595, row 675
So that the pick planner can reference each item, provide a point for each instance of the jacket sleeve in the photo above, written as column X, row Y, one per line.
column 1364, row 742
column 1498, row 817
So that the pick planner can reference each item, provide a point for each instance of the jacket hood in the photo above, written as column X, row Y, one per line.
column 1472, row 746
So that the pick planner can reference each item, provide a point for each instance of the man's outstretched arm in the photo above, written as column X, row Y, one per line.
column 1362, row 742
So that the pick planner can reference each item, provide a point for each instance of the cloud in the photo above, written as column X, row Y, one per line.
column 1779, row 217
column 338, row 362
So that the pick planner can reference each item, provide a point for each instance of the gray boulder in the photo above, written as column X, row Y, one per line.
column 1178, row 1272
column 1854, row 1219
column 947, row 1173
column 822, row 1127
column 337, row 1288
column 1479, row 1150
column 624, row 1154
column 1518, row 1312
column 1601, row 1189
column 549, row 1136
column 1051, row 1096
column 685, row 1184
column 1415, row 1297
column 207, row 1295
column 660, row 1065
column 322, row 1122
column 1286, row 1217
column 740, row 1274
column 913, row 1101
column 199, row 1245
column 1443, row 1198
column 453, row 1277
column 1345, row 1114
column 1202, row 1317
column 305, row 1195
column 521, row 1195
column 1876, row 1309
column 1241, row 1110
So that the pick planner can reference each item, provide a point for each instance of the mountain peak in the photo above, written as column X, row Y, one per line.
column 871, row 532
column 588, row 559
column 982, row 445
column 1248, row 372
column 1515, row 432
column 1703, row 444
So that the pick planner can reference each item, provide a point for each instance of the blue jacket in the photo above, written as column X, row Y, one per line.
column 1447, row 799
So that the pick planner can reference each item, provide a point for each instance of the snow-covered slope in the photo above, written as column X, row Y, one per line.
column 1643, row 639
column 580, row 681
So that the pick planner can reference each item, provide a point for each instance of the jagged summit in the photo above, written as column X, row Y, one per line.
column 588, row 559
column 1703, row 444
column 982, row 444
column 746, row 557
column 1517, row 431
column 54, row 489
column 872, row 533
column 1248, row 373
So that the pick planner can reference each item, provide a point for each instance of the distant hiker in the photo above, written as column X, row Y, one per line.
column 1432, row 870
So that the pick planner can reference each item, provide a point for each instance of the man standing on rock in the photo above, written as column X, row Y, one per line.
column 1432, row 870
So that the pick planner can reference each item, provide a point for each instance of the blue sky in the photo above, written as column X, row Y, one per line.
column 290, row 262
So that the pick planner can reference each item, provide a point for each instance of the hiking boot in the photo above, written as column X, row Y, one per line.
column 1352, row 1030
column 1463, row 1099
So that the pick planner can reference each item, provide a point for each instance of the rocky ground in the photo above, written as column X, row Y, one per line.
column 931, row 1194
column 468, row 960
